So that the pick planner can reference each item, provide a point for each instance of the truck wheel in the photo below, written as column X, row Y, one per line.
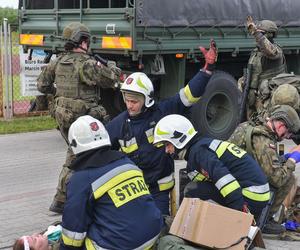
column 113, row 102
column 217, row 113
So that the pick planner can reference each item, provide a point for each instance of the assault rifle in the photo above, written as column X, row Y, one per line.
column 101, row 59
column 265, row 212
column 112, row 65
column 247, row 80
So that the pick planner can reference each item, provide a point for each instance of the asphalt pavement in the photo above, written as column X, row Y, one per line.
column 29, row 168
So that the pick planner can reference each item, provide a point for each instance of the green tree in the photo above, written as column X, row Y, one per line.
column 9, row 13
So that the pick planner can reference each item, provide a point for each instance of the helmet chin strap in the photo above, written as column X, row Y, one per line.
column 275, row 131
column 143, row 109
column 270, row 38
column 84, row 49
column 181, row 153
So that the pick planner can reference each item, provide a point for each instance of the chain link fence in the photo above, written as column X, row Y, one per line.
column 15, row 100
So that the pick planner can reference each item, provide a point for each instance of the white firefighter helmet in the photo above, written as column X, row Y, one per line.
column 175, row 129
column 139, row 82
column 87, row 133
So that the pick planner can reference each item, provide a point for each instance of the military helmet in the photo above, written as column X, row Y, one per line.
column 287, row 114
column 175, row 129
column 268, row 26
column 73, row 32
column 286, row 94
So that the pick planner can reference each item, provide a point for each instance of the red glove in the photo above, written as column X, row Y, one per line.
column 210, row 56
column 246, row 210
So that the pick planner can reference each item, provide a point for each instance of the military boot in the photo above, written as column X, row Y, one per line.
column 272, row 227
column 57, row 207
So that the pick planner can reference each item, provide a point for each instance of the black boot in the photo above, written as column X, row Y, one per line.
column 57, row 207
column 272, row 227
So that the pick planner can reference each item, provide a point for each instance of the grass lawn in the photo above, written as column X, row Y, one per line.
column 27, row 124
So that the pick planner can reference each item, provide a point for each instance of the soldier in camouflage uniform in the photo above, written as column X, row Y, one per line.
column 285, row 94
column 261, row 141
column 75, row 79
column 267, row 61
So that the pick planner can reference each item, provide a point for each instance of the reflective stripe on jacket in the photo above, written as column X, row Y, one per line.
column 235, row 174
column 134, row 135
column 109, row 205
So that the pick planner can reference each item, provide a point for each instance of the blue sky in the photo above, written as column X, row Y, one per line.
column 9, row 3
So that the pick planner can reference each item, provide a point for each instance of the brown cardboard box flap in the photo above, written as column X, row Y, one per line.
column 211, row 225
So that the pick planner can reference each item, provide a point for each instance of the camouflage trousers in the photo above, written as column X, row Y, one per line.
column 64, row 177
column 97, row 112
column 65, row 172
column 281, row 193
column 170, row 242
column 44, row 102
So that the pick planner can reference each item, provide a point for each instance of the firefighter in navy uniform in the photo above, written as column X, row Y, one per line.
column 219, row 170
column 132, row 130
column 108, row 204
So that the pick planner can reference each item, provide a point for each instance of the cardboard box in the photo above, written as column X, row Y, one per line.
column 214, row 226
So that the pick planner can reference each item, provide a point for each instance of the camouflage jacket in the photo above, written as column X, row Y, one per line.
column 263, row 146
column 75, row 75
column 267, row 61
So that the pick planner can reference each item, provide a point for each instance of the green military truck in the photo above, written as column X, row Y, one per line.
column 162, row 38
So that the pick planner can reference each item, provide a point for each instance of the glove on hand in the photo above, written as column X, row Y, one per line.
column 287, row 155
column 251, row 27
column 210, row 55
column 296, row 156
column 113, row 67
column 246, row 210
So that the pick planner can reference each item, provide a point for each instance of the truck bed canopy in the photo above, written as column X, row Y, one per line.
column 191, row 13
column 168, row 13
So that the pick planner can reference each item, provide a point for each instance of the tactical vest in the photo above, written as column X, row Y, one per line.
column 250, row 131
column 258, row 72
column 285, row 78
column 243, row 136
column 67, row 78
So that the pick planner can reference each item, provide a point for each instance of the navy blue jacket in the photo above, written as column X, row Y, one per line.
column 108, row 204
column 235, row 174
column 134, row 135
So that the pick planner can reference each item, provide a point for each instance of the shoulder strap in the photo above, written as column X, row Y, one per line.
column 249, row 147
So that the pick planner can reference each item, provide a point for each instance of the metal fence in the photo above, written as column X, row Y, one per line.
column 13, row 101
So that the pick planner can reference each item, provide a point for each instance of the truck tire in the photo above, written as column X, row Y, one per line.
column 216, row 115
column 112, row 101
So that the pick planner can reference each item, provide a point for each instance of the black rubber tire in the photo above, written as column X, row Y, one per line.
column 113, row 102
column 216, row 115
